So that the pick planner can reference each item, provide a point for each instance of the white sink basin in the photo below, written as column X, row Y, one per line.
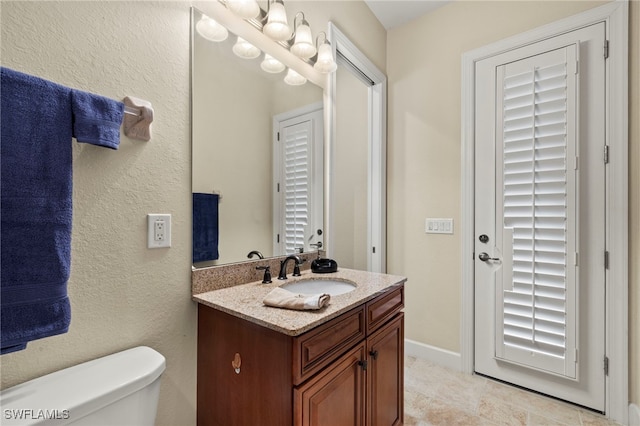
column 330, row 287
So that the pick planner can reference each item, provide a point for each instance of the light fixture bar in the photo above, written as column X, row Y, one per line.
column 246, row 30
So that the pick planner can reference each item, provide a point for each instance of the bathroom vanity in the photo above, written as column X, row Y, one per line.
column 341, row 365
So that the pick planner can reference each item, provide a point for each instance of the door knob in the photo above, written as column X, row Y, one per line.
column 485, row 257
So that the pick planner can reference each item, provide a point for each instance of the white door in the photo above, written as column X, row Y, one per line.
column 539, row 217
column 298, row 182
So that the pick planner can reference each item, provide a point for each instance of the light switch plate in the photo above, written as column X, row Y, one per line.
column 438, row 226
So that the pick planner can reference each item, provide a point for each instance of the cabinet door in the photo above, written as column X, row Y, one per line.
column 335, row 396
column 385, row 349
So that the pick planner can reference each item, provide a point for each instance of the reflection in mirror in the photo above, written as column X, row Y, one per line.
column 350, row 164
column 356, row 220
column 234, row 109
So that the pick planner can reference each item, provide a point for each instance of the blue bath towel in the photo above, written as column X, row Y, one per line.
column 205, row 227
column 38, row 120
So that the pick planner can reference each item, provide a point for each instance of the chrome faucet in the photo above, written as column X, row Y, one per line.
column 283, row 267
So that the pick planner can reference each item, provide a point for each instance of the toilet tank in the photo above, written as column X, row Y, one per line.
column 119, row 389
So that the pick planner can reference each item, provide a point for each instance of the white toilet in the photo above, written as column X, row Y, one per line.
column 119, row 389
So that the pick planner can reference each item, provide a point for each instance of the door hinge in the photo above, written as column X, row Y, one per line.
column 278, row 136
column 606, row 260
column 374, row 250
column 606, row 365
column 606, row 154
column 606, row 49
column 278, row 238
column 278, row 187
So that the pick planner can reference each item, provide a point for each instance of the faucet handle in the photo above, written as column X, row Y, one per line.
column 296, row 268
column 266, row 279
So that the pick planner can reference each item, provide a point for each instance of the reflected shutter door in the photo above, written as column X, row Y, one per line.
column 297, row 185
column 536, row 288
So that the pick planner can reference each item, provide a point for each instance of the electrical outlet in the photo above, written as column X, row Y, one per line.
column 158, row 230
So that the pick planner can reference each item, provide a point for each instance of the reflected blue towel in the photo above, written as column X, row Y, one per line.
column 38, row 120
column 205, row 227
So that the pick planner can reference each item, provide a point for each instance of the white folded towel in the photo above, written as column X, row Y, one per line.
column 281, row 298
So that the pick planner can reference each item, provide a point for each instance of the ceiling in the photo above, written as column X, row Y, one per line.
column 394, row 13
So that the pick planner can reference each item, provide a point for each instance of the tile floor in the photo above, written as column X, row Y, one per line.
column 438, row 396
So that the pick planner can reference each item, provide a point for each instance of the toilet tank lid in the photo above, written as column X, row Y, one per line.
column 89, row 386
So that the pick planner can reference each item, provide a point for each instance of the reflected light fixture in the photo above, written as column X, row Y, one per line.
column 245, row 50
column 303, row 40
column 211, row 30
column 246, row 9
column 294, row 79
column 271, row 64
column 277, row 27
column 325, row 62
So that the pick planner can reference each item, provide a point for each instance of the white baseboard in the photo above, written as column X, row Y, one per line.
column 634, row 415
column 433, row 354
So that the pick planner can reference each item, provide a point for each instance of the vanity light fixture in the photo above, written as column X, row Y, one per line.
column 302, row 39
column 294, row 79
column 245, row 50
column 246, row 9
column 276, row 27
column 325, row 62
column 211, row 30
column 273, row 24
column 271, row 64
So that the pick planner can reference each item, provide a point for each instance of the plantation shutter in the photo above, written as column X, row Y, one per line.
column 536, row 291
column 297, row 185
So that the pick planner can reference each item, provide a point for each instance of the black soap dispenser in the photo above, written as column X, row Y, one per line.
column 323, row 266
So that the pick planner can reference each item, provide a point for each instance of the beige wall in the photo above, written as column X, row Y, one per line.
column 424, row 62
column 123, row 294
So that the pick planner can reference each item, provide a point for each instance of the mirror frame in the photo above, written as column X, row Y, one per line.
column 377, row 161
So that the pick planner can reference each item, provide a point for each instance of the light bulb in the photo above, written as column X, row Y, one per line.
column 325, row 63
column 245, row 50
column 246, row 9
column 277, row 27
column 294, row 79
column 271, row 65
column 303, row 44
column 211, row 30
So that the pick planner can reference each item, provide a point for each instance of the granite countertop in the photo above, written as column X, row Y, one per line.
column 245, row 300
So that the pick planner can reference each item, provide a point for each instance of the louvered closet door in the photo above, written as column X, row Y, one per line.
column 540, row 278
column 297, row 186
column 536, row 105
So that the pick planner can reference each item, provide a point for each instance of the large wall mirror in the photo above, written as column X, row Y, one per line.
column 248, row 127
column 241, row 116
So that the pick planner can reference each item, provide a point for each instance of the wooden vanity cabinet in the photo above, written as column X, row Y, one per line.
column 347, row 371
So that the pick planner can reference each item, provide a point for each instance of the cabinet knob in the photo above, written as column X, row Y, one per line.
column 236, row 363
column 363, row 364
column 374, row 354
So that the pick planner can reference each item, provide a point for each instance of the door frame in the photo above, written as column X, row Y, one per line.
column 615, row 16
column 377, row 159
